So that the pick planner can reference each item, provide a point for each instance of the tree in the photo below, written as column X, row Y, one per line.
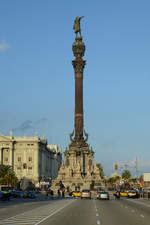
column 7, row 176
column 113, row 180
column 126, row 174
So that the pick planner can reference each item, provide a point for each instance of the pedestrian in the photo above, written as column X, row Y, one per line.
column 63, row 193
column 58, row 192
column 148, row 194
column 52, row 193
column 117, row 195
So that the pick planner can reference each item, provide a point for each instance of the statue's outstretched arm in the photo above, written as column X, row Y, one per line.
column 81, row 17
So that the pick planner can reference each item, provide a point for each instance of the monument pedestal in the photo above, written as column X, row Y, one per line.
column 78, row 171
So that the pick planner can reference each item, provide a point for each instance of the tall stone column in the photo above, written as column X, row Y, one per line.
column 78, row 65
column 11, row 154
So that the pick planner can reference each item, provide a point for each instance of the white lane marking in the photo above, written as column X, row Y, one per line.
column 142, row 216
column 98, row 222
column 28, row 216
column 20, row 223
column 53, row 213
column 96, row 209
column 97, row 214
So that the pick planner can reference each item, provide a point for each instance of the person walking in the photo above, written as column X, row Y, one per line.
column 58, row 193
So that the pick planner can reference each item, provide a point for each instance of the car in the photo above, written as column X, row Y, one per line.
column 123, row 193
column 98, row 193
column 103, row 195
column 132, row 194
column 19, row 194
column 31, row 194
column 86, row 193
column 76, row 194
column 5, row 188
column 1, row 195
column 13, row 194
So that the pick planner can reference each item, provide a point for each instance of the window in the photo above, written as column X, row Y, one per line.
column 19, row 159
column 30, row 168
column 30, row 159
column 6, row 159
column 18, row 168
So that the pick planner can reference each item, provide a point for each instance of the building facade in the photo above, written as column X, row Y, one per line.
column 30, row 157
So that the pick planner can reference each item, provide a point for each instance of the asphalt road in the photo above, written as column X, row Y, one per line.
column 76, row 212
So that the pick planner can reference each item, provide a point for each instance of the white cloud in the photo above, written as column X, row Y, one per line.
column 4, row 46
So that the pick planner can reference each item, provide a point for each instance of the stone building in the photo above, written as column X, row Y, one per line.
column 56, row 160
column 30, row 157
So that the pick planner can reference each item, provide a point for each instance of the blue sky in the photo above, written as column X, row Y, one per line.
column 37, row 78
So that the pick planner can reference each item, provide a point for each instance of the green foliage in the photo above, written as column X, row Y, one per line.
column 7, row 176
column 113, row 180
column 101, row 171
column 126, row 174
column 134, row 180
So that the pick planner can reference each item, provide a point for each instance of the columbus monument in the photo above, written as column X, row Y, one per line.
column 78, row 171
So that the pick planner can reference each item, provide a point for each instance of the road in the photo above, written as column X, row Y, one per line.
column 76, row 212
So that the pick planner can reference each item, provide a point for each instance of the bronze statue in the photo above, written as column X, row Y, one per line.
column 76, row 25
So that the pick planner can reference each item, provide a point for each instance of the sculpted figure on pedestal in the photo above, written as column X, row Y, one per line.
column 76, row 25
column 96, row 170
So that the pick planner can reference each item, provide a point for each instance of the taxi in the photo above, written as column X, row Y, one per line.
column 132, row 194
column 123, row 193
column 76, row 194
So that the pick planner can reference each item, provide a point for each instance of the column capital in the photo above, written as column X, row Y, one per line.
column 78, row 65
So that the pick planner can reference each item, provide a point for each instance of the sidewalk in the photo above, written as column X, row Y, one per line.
column 39, row 197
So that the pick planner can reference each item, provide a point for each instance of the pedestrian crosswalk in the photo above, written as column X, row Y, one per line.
column 36, row 216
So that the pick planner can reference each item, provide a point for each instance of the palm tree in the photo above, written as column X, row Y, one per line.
column 7, row 176
column 112, row 180
column 126, row 174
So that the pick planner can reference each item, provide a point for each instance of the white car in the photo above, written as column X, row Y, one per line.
column 103, row 195
column 86, row 193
